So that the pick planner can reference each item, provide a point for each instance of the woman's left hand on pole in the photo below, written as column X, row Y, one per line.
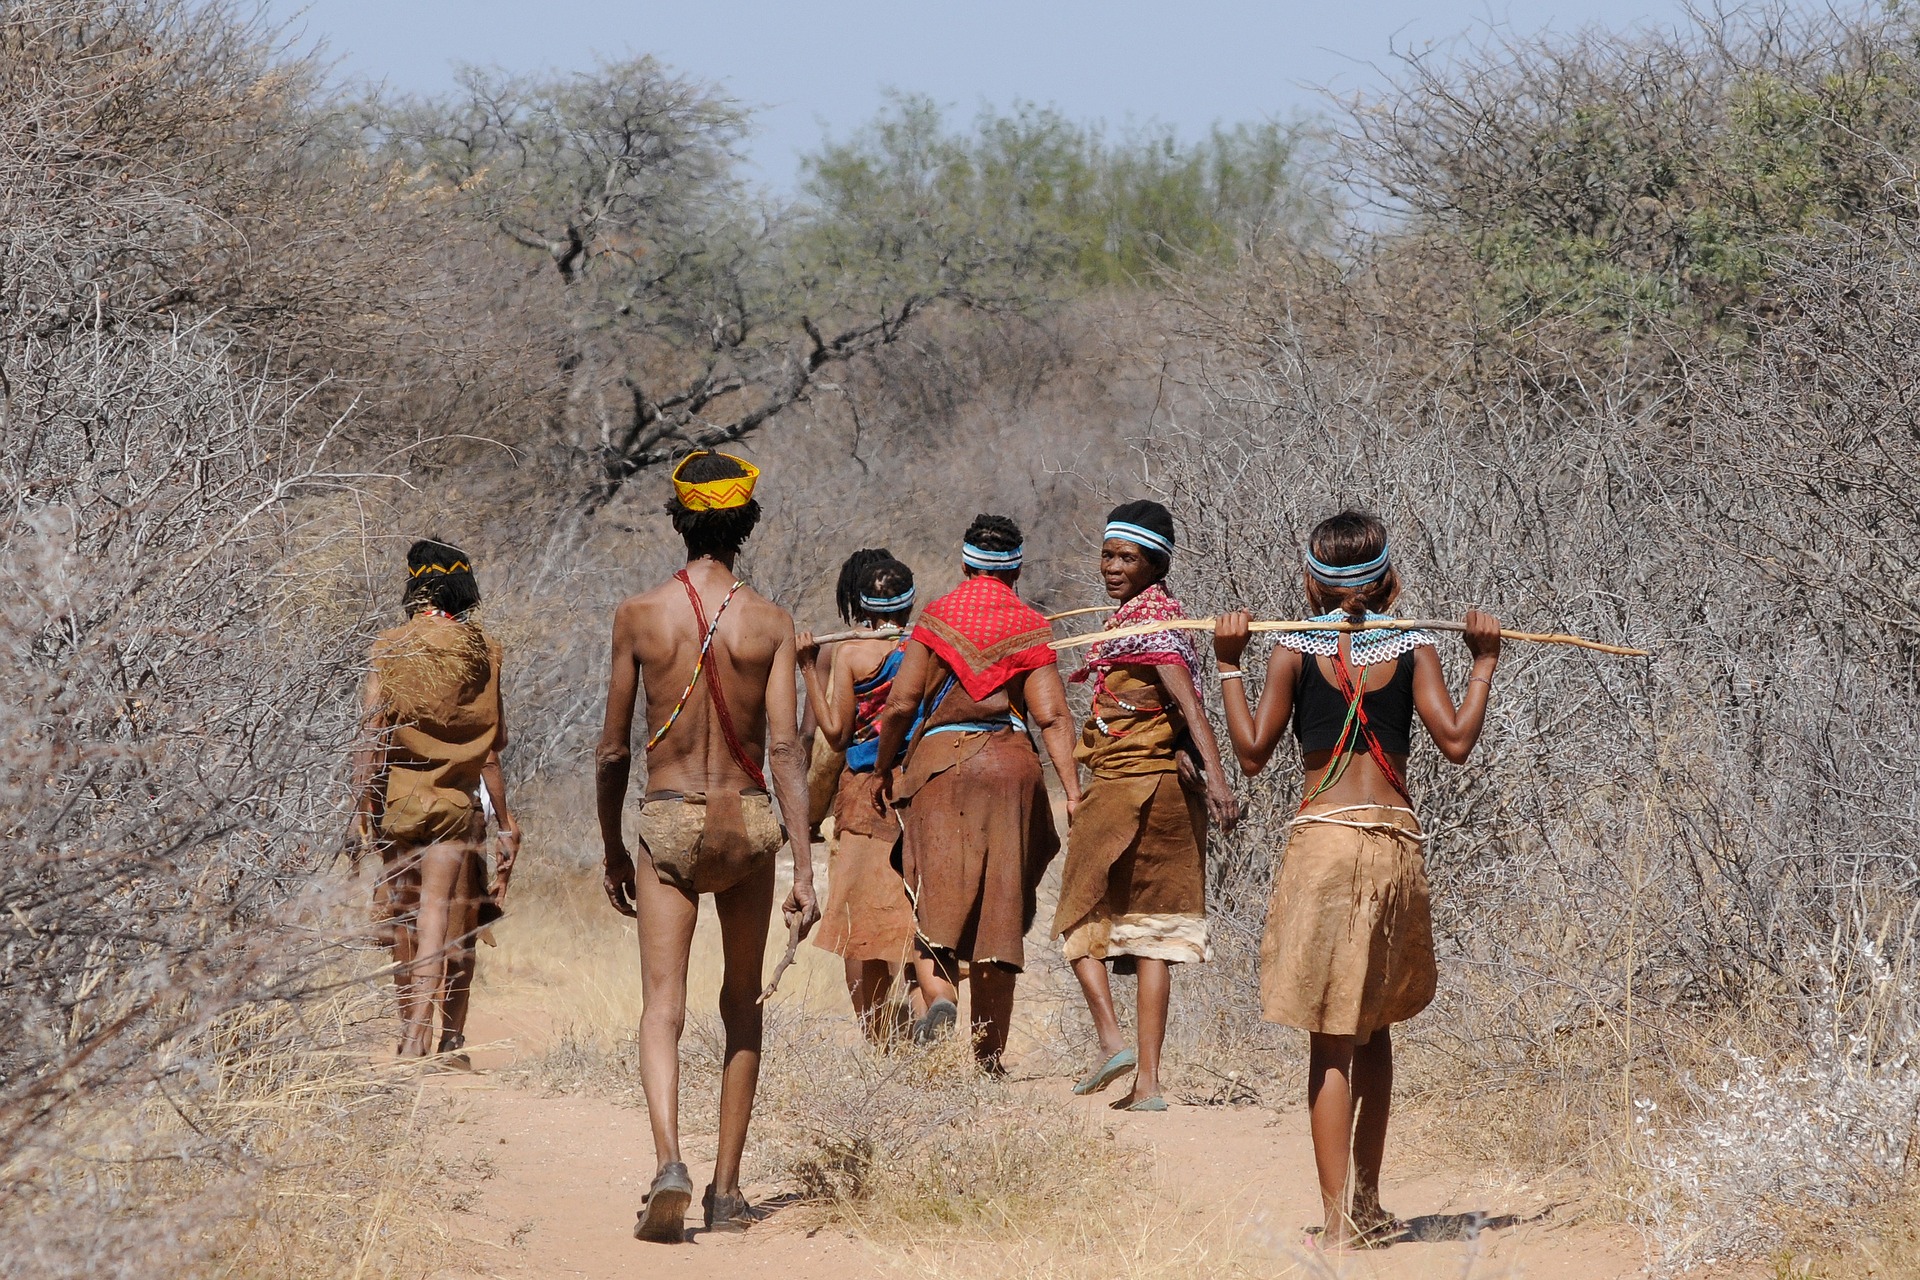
column 1483, row 635
column 1231, row 632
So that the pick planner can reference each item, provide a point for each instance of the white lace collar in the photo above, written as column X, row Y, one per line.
column 1369, row 647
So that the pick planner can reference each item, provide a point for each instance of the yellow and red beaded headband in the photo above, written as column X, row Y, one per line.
column 715, row 495
column 458, row 566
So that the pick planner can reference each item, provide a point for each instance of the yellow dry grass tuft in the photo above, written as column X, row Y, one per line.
column 271, row 1147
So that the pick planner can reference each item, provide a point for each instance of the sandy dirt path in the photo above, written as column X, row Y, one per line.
column 550, row 1185
column 557, row 1180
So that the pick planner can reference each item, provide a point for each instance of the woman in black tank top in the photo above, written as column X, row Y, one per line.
column 1348, row 949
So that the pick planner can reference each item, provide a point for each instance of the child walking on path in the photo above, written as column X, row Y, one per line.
column 868, row 920
column 1348, row 948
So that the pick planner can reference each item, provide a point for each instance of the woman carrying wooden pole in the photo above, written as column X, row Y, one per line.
column 868, row 920
column 1348, row 947
column 1134, row 891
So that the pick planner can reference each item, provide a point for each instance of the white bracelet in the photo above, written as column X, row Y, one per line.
column 1231, row 675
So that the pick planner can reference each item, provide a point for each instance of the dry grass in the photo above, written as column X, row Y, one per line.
column 914, row 1150
column 292, row 1155
column 571, row 964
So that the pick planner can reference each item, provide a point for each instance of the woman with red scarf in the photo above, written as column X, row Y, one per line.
column 977, row 832
column 1134, row 891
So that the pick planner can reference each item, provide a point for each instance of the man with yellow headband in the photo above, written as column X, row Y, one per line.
column 716, row 660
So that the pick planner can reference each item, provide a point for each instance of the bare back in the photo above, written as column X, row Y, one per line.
column 657, row 638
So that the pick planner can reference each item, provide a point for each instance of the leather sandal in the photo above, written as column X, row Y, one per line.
column 1155, row 1103
column 1378, row 1232
column 452, row 1055
column 940, row 1018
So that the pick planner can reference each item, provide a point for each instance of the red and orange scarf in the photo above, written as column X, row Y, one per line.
column 985, row 633
column 1156, row 648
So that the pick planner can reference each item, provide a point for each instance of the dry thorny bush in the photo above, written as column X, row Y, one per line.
column 1672, row 896
column 1644, row 878
column 912, row 1146
column 176, row 699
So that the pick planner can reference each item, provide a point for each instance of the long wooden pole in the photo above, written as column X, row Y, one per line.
column 1394, row 624
column 862, row 633
column 894, row 633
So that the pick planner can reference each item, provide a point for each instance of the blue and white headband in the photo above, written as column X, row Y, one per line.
column 1348, row 575
column 992, row 561
column 1139, row 535
column 886, row 604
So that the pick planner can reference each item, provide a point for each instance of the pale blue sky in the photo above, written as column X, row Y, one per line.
column 826, row 64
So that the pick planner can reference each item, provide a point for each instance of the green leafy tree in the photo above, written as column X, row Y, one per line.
column 1632, row 183
column 1041, row 195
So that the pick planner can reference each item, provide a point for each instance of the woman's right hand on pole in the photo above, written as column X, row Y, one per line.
column 1230, row 635
column 806, row 649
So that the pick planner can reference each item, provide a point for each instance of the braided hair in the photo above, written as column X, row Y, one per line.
column 993, row 533
column 846, row 593
column 883, row 579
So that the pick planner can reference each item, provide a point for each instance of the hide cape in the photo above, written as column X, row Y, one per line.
column 985, row 634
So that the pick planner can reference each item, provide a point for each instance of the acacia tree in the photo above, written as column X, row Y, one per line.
column 696, row 310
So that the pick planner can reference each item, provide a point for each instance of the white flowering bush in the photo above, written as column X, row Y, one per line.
column 1779, row 1143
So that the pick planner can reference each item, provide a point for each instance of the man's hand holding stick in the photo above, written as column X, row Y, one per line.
column 797, row 925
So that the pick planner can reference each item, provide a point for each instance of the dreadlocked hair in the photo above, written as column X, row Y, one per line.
column 883, row 579
column 713, row 533
column 1352, row 537
column 846, row 594
column 1148, row 515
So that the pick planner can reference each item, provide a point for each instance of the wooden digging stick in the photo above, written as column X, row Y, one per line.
column 786, row 961
column 1074, row 613
column 1396, row 624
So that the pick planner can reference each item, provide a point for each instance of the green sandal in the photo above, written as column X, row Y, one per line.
column 1155, row 1103
column 1118, row 1065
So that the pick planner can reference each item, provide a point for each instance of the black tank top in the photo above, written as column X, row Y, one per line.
column 1319, row 709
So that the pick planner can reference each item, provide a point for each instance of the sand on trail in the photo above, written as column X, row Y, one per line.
column 546, row 1185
